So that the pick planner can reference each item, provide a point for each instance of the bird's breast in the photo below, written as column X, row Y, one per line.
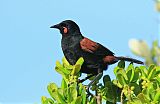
column 71, row 52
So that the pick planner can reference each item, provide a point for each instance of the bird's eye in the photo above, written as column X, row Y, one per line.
column 65, row 30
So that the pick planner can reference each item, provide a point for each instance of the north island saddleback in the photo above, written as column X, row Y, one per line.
column 96, row 56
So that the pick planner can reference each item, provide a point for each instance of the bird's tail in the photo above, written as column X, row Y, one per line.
column 129, row 59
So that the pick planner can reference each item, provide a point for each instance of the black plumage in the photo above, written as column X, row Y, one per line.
column 96, row 56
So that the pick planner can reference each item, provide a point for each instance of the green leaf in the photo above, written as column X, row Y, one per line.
column 136, row 101
column 151, row 72
column 107, row 102
column 55, row 93
column 63, row 84
column 52, row 88
column 80, row 61
column 157, row 70
column 158, row 79
column 110, row 93
column 66, row 64
column 121, row 64
column 151, row 67
column 60, row 69
column 94, row 86
column 43, row 99
column 93, row 100
column 121, row 79
column 78, row 100
column 116, row 82
column 73, row 92
column 106, row 78
column 137, row 89
column 77, row 66
column 130, row 72
column 116, row 69
column 48, row 101
column 143, row 99
column 123, row 73
column 144, row 71
column 146, row 93
column 84, row 96
column 135, row 77
column 80, row 88
column 64, row 60
column 157, row 96
column 76, row 69
column 60, row 96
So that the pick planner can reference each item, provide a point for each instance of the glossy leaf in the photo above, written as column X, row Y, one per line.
column 49, row 101
column 60, row 96
column 80, row 88
column 135, row 77
column 106, row 78
column 66, row 64
column 143, row 99
column 140, row 85
column 116, row 69
column 77, row 101
column 123, row 73
column 143, row 71
column 110, row 94
column 60, row 69
column 151, row 72
column 76, row 69
column 116, row 82
column 43, row 99
column 64, row 84
column 64, row 60
column 157, row 96
column 80, row 61
column 137, row 89
column 73, row 92
column 121, row 79
column 52, row 89
column 121, row 64
column 84, row 96
column 130, row 72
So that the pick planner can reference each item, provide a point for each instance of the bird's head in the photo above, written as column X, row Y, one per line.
column 67, row 27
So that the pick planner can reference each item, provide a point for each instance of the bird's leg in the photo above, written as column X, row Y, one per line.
column 82, row 80
column 100, row 74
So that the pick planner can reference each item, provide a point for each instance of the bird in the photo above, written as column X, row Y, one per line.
column 96, row 57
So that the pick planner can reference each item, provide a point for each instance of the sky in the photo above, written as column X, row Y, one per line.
column 29, row 48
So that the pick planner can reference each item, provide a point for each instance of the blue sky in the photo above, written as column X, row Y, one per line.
column 29, row 48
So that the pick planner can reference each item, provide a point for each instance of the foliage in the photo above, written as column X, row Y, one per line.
column 132, row 85
column 140, row 48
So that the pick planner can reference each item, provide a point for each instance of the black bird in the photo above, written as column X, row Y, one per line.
column 96, row 56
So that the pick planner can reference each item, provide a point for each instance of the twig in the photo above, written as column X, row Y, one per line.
column 122, row 97
column 98, row 98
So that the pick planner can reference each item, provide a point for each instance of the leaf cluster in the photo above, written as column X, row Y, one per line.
column 132, row 85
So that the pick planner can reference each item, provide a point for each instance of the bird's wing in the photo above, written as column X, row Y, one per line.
column 94, row 48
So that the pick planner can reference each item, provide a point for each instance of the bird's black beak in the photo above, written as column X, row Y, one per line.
column 55, row 26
